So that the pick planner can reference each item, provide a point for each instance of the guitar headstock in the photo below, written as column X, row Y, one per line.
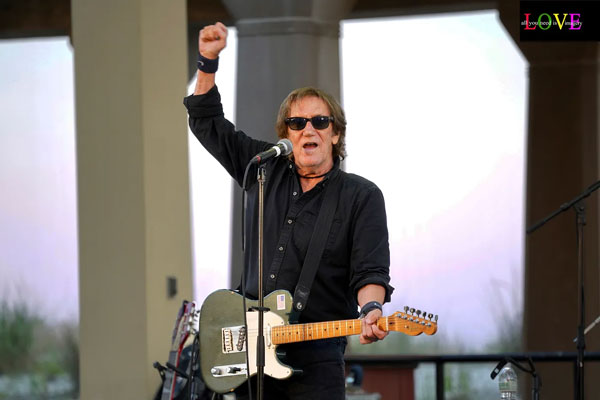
column 411, row 322
column 194, row 319
column 186, row 323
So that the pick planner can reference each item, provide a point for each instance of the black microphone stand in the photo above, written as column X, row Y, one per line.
column 283, row 147
column 260, row 340
column 579, row 206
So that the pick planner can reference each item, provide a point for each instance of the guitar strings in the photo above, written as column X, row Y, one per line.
column 321, row 326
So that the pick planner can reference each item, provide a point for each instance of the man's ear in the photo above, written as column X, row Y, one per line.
column 335, row 138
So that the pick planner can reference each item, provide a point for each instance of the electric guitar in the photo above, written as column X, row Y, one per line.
column 224, row 336
column 186, row 323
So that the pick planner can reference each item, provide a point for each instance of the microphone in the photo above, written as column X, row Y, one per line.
column 282, row 148
column 498, row 368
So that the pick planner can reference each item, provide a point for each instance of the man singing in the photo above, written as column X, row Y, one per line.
column 353, row 270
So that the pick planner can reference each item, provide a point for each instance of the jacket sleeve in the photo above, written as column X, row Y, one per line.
column 233, row 149
column 370, row 258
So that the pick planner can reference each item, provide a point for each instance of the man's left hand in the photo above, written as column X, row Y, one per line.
column 370, row 331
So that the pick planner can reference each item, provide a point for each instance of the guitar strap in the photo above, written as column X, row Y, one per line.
column 317, row 243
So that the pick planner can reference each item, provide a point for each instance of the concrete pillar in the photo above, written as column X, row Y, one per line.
column 133, row 195
column 562, row 160
column 282, row 45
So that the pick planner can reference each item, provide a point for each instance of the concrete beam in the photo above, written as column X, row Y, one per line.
column 39, row 18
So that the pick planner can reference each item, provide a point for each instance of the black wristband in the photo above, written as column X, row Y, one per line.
column 207, row 65
column 370, row 306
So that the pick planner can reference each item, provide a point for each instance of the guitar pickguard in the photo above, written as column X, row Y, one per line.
column 237, row 334
column 223, row 338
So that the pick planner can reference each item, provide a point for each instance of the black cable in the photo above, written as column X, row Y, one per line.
column 243, row 280
column 244, row 201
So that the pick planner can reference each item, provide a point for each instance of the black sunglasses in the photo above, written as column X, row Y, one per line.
column 318, row 122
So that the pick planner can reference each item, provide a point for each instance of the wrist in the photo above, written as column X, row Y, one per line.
column 370, row 306
column 209, row 54
column 208, row 65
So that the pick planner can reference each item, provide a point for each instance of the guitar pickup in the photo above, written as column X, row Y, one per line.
column 233, row 339
column 227, row 342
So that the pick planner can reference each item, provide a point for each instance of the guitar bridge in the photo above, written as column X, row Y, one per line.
column 231, row 335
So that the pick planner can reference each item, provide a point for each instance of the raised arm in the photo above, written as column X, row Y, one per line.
column 211, row 41
column 233, row 149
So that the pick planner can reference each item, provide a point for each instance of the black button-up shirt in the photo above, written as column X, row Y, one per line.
column 357, row 249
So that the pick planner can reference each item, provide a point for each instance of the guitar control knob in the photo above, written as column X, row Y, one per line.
column 215, row 371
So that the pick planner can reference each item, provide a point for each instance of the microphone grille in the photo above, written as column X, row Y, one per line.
column 286, row 146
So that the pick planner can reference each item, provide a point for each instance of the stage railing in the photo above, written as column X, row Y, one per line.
column 401, row 361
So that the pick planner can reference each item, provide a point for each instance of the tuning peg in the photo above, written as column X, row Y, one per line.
column 412, row 310
column 418, row 313
column 435, row 318
column 429, row 315
column 405, row 309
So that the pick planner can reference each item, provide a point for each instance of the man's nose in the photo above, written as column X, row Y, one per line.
column 309, row 128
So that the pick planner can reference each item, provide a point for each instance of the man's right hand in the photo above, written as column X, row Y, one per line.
column 212, row 39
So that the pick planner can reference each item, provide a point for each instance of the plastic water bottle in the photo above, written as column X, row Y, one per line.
column 507, row 383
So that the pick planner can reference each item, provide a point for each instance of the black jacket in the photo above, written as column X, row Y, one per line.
column 357, row 249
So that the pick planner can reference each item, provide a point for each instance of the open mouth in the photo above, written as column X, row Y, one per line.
column 310, row 146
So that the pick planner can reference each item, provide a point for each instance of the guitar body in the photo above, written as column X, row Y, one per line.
column 222, row 338
column 223, row 335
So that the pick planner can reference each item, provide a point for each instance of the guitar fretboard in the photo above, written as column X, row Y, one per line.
column 408, row 324
column 316, row 330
